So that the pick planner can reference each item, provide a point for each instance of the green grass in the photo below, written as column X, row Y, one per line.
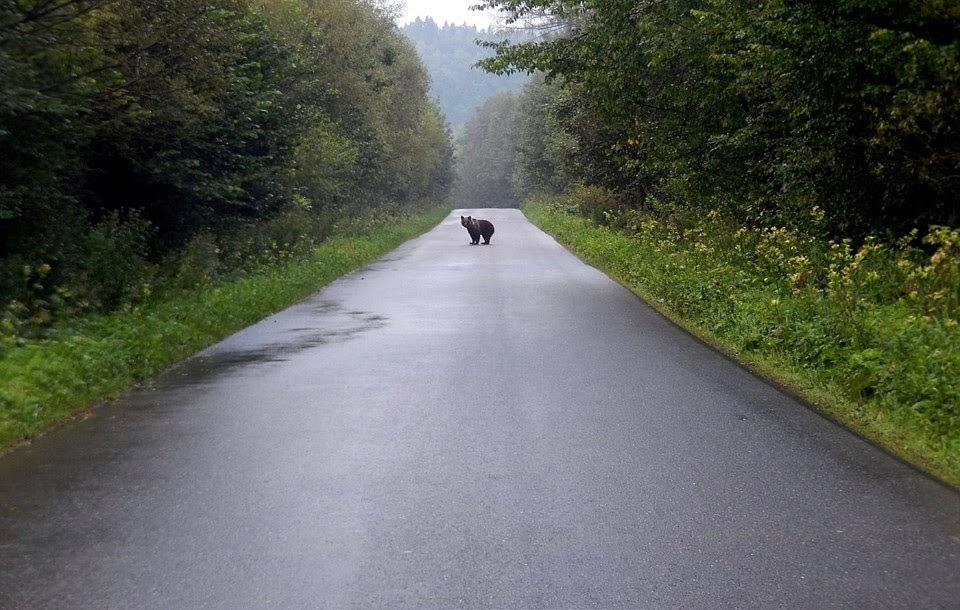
column 92, row 358
column 867, row 336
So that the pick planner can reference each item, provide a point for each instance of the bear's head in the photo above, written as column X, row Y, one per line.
column 467, row 222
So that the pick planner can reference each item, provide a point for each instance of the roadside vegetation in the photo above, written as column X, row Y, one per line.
column 131, row 131
column 79, row 361
column 171, row 170
column 869, row 334
column 782, row 178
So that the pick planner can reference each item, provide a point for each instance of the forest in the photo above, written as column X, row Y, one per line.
column 471, row 99
column 838, row 117
column 450, row 54
column 140, row 137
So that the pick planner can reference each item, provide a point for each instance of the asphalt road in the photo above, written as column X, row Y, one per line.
column 468, row 426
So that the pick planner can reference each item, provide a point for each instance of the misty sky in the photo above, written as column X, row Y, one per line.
column 454, row 11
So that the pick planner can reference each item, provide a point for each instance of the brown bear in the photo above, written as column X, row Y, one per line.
column 477, row 228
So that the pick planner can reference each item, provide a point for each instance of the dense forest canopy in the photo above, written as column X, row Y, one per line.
column 840, row 118
column 486, row 155
column 450, row 53
column 130, row 127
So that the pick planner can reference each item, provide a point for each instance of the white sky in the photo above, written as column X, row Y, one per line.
column 453, row 11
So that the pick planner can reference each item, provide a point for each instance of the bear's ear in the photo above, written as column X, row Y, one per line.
column 462, row 219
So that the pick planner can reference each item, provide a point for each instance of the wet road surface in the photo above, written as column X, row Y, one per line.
column 468, row 426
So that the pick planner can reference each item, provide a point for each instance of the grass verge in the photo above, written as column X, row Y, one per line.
column 823, row 320
column 92, row 358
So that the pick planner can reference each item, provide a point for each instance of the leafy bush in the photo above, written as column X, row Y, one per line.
column 112, row 266
column 198, row 263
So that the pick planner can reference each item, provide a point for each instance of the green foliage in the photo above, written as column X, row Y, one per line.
column 325, row 165
column 485, row 161
column 112, row 266
column 870, row 333
column 358, row 88
column 539, row 143
column 190, row 128
column 762, row 110
column 132, row 129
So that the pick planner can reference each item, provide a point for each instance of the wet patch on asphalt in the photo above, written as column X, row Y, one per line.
column 312, row 325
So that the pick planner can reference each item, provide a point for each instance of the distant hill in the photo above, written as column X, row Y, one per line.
column 449, row 53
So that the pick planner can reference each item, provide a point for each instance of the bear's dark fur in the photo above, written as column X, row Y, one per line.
column 477, row 228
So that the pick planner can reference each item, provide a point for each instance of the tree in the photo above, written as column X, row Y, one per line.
column 449, row 53
column 767, row 110
column 191, row 129
column 486, row 155
column 48, row 60
column 132, row 126
column 364, row 87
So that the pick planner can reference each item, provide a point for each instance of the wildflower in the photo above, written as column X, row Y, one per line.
column 799, row 279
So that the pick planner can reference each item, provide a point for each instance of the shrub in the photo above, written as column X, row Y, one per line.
column 113, row 264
